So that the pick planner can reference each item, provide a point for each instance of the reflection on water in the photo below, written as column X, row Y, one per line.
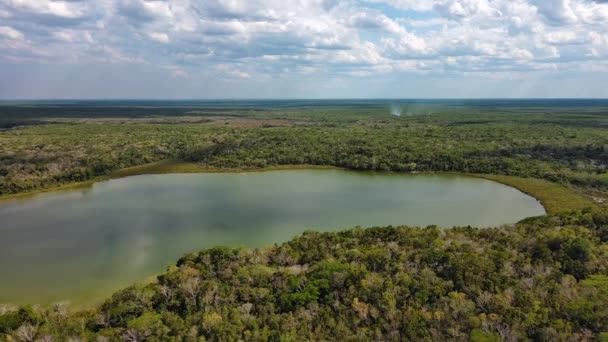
column 82, row 245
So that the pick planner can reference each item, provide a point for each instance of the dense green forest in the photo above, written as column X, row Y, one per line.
column 543, row 279
column 566, row 145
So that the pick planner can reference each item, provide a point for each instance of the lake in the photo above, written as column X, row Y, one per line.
column 82, row 245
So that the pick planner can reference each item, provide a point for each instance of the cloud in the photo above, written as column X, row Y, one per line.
column 366, row 19
column 563, row 38
column 557, row 11
column 10, row 33
column 463, row 9
column 257, row 39
column 230, row 72
column 64, row 9
column 159, row 37
column 407, row 46
column 73, row 36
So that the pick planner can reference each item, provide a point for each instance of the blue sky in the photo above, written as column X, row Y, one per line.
column 303, row 48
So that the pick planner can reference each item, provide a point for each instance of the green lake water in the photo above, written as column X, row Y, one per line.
column 82, row 245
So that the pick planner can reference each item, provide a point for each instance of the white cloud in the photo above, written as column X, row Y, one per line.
column 463, row 9
column 417, row 5
column 65, row 9
column 408, row 45
column 562, row 37
column 247, row 39
column 365, row 19
column 10, row 33
column 231, row 72
column 73, row 36
column 159, row 37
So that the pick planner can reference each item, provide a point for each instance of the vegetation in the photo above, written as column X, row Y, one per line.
column 556, row 198
column 563, row 145
column 177, row 166
column 543, row 279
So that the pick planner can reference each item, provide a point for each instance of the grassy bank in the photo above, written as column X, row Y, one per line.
column 177, row 166
column 554, row 197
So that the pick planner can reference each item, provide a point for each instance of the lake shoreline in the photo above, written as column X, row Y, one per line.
column 546, row 192
column 551, row 196
column 158, row 168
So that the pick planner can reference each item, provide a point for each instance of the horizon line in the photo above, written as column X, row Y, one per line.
column 299, row 99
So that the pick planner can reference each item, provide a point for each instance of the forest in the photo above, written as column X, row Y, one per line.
column 568, row 145
column 543, row 279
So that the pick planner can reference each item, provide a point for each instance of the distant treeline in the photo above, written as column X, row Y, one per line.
column 551, row 146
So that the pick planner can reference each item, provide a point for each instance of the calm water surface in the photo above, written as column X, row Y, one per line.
column 82, row 245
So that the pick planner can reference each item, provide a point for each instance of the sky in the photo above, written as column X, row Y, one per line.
column 198, row 49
